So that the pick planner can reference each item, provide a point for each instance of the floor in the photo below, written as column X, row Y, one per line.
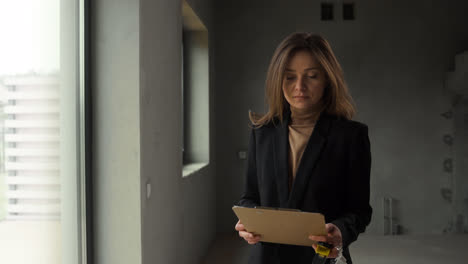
column 42, row 239
column 368, row 249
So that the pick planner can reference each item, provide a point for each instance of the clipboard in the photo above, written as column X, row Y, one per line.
column 283, row 226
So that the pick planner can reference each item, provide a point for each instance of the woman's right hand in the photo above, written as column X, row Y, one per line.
column 249, row 237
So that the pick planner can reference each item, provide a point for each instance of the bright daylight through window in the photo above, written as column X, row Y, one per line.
column 39, row 154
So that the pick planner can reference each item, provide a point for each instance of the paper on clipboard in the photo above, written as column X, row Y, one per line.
column 282, row 226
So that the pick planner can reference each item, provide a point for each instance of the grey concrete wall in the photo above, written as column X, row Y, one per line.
column 162, row 214
column 199, row 189
column 456, row 190
column 116, row 129
column 395, row 55
column 460, row 168
column 177, row 217
column 137, row 138
column 178, row 220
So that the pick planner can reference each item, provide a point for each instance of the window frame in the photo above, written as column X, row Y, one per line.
column 85, row 137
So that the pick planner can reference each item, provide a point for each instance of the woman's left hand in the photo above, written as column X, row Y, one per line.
column 333, row 237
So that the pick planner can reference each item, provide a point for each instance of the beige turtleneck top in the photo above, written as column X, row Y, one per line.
column 301, row 127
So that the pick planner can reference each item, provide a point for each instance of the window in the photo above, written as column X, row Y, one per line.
column 327, row 11
column 195, row 92
column 348, row 11
column 42, row 132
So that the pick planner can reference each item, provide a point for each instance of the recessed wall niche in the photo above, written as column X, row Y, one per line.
column 195, row 92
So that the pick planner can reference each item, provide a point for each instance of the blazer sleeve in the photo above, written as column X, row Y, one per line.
column 250, row 196
column 358, row 212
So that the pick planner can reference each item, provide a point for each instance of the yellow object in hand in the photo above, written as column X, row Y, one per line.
column 323, row 249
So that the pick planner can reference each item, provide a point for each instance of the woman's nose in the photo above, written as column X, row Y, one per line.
column 300, row 85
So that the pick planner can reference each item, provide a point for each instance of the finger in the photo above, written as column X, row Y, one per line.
column 333, row 253
column 334, row 239
column 239, row 227
column 248, row 235
column 254, row 240
column 254, row 237
column 332, row 256
column 245, row 234
column 318, row 238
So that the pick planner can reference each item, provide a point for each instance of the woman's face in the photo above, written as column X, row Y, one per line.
column 303, row 82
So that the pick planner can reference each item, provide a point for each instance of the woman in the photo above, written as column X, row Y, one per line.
column 306, row 153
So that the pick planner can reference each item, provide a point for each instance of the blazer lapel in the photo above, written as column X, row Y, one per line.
column 281, row 160
column 308, row 161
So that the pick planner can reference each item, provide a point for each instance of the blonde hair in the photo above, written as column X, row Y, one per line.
column 336, row 98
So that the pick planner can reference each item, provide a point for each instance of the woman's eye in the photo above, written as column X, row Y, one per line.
column 313, row 76
column 290, row 78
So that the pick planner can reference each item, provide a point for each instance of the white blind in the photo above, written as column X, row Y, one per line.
column 31, row 148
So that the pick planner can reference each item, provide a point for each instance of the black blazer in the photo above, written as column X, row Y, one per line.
column 333, row 178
